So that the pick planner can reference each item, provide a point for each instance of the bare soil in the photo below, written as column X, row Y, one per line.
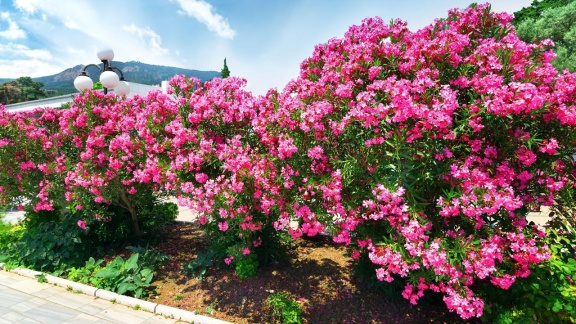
column 318, row 277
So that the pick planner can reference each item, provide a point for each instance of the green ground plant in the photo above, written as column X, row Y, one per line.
column 9, row 233
column 51, row 246
column 126, row 277
column 86, row 273
column 198, row 267
column 285, row 309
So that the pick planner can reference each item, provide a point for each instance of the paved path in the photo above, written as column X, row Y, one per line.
column 25, row 300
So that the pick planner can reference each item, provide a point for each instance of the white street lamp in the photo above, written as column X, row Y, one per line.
column 108, row 77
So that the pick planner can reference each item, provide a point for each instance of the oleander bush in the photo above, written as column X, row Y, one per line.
column 422, row 151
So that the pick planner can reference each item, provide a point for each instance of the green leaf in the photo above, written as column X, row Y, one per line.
column 132, row 262
column 557, row 306
column 124, row 287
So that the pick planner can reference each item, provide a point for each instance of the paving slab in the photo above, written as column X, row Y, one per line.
column 25, row 300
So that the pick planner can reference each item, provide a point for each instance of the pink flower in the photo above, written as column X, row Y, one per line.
column 229, row 260
column 223, row 226
column 246, row 251
column 549, row 146
column 315, row 152
column 201, row 177
column 82, row 224
column 525, row 156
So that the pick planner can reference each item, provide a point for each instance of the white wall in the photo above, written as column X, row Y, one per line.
column 56, row 102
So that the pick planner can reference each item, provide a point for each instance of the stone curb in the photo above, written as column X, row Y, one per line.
column 134, row 303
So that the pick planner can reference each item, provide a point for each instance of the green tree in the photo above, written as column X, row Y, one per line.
column 9, row 93
column 557, row 23
column 535, row 10
column 225, row 71
column 30, row 89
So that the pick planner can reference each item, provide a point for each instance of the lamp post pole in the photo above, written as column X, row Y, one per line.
column 108, row 76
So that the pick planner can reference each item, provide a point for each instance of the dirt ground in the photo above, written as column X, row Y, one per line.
column 318, row 277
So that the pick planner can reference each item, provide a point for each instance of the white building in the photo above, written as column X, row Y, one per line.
column 57, row 102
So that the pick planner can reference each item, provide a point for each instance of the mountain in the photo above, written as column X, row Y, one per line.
column 137, row 72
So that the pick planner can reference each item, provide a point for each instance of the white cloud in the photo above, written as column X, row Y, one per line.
column 32, row 68
column 71, row 24
column 13, row 32
column 27, row 6
column 154, row 40
column 23, row 51
column 19, row 60
column 202, row 11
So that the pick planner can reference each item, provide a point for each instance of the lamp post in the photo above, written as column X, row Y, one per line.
column 108, row 77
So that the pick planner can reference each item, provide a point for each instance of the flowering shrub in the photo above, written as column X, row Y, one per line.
column 420, row 150
column 214, row 163
column 87, row 157
column 28, row 158
column 106, row 168
column 425, row 148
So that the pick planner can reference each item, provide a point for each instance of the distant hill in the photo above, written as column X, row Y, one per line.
column 137, row 72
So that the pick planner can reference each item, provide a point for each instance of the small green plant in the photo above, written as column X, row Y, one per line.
column 199, row 266
column 41, row 278
column 9, row 233
column 178, row 296
column 69, row 288
column 137, row 307
column 149, row 257
column 124, row 277
column 210, row 309
column 247, row 267
column 285, row 309
column 85, row 273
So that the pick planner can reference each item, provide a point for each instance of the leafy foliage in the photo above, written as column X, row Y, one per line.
column 285, row 308
column 22, row 89
column 199, row 266
column 85, row 274
column 225, row 71
column 536, row 9
column 548, row 295
column 49, row 246
column 126, row 277
column 9, row 233
column 558, row 23
column 247, row 267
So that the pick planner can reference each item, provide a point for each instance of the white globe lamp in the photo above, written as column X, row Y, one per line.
column 122, row 89
column 83, row 83
column 109, row 79
column 108, row 76
column 105, row 54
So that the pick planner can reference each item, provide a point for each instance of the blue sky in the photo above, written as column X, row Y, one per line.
column 264, row 41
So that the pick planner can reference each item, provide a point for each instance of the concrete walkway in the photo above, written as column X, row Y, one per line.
column 25, row 300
